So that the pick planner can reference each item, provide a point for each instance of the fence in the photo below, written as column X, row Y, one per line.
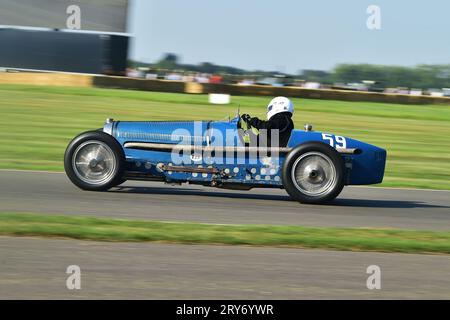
column 79, row 80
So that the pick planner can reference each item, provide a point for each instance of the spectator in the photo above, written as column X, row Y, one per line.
column 215, row 78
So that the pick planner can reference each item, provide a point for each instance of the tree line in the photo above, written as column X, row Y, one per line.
column 420, row 76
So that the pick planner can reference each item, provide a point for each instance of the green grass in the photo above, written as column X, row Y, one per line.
column 106, row 229
column 37, row 122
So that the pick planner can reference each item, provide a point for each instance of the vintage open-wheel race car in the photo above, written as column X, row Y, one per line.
column 313, row 167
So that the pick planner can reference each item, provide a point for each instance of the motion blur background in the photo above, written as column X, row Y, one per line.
column 322, row 42
column 66, row 66
column 393, row 80
column 318, row 44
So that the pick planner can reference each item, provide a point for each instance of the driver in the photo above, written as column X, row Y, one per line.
column 279, row 114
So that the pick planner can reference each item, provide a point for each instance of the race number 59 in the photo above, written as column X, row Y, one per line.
column 335, row 141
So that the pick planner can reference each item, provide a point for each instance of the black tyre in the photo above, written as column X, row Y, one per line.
column 94, row 161
column 123, row 180
column 313, row 172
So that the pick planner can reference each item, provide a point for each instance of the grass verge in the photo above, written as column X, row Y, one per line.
column 37, row 123
column 107, row 229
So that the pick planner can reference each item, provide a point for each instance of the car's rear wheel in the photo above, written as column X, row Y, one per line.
column 94, row 161
column 313, row 173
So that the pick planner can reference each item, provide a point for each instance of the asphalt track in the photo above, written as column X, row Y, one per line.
column 53, row 193
column 32, row 268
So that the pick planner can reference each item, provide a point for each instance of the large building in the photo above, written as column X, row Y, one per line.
column 64, row 35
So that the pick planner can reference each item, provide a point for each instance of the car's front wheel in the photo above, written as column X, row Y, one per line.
column 313, row 173
column 94, row 161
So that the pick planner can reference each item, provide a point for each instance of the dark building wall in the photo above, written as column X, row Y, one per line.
column 63, row 51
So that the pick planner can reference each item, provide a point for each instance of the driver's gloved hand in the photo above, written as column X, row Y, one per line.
column 246, row 117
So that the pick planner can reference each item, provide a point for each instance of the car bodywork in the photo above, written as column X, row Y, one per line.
column 190, row 151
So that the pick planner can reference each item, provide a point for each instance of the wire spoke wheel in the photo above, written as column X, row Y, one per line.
column 314, row 174
column 94, row 161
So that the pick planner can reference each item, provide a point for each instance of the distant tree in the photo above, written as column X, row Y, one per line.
column 168, row 61
column 170, row 57
column 421, row 76
column 315, row 75
column 208, row 67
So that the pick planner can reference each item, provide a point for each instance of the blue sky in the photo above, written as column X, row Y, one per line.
column 290, row 35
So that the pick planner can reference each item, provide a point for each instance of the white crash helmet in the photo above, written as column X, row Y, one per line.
column 278, row 105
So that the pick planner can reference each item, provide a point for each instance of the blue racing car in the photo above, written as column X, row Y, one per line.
column 313, row 167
